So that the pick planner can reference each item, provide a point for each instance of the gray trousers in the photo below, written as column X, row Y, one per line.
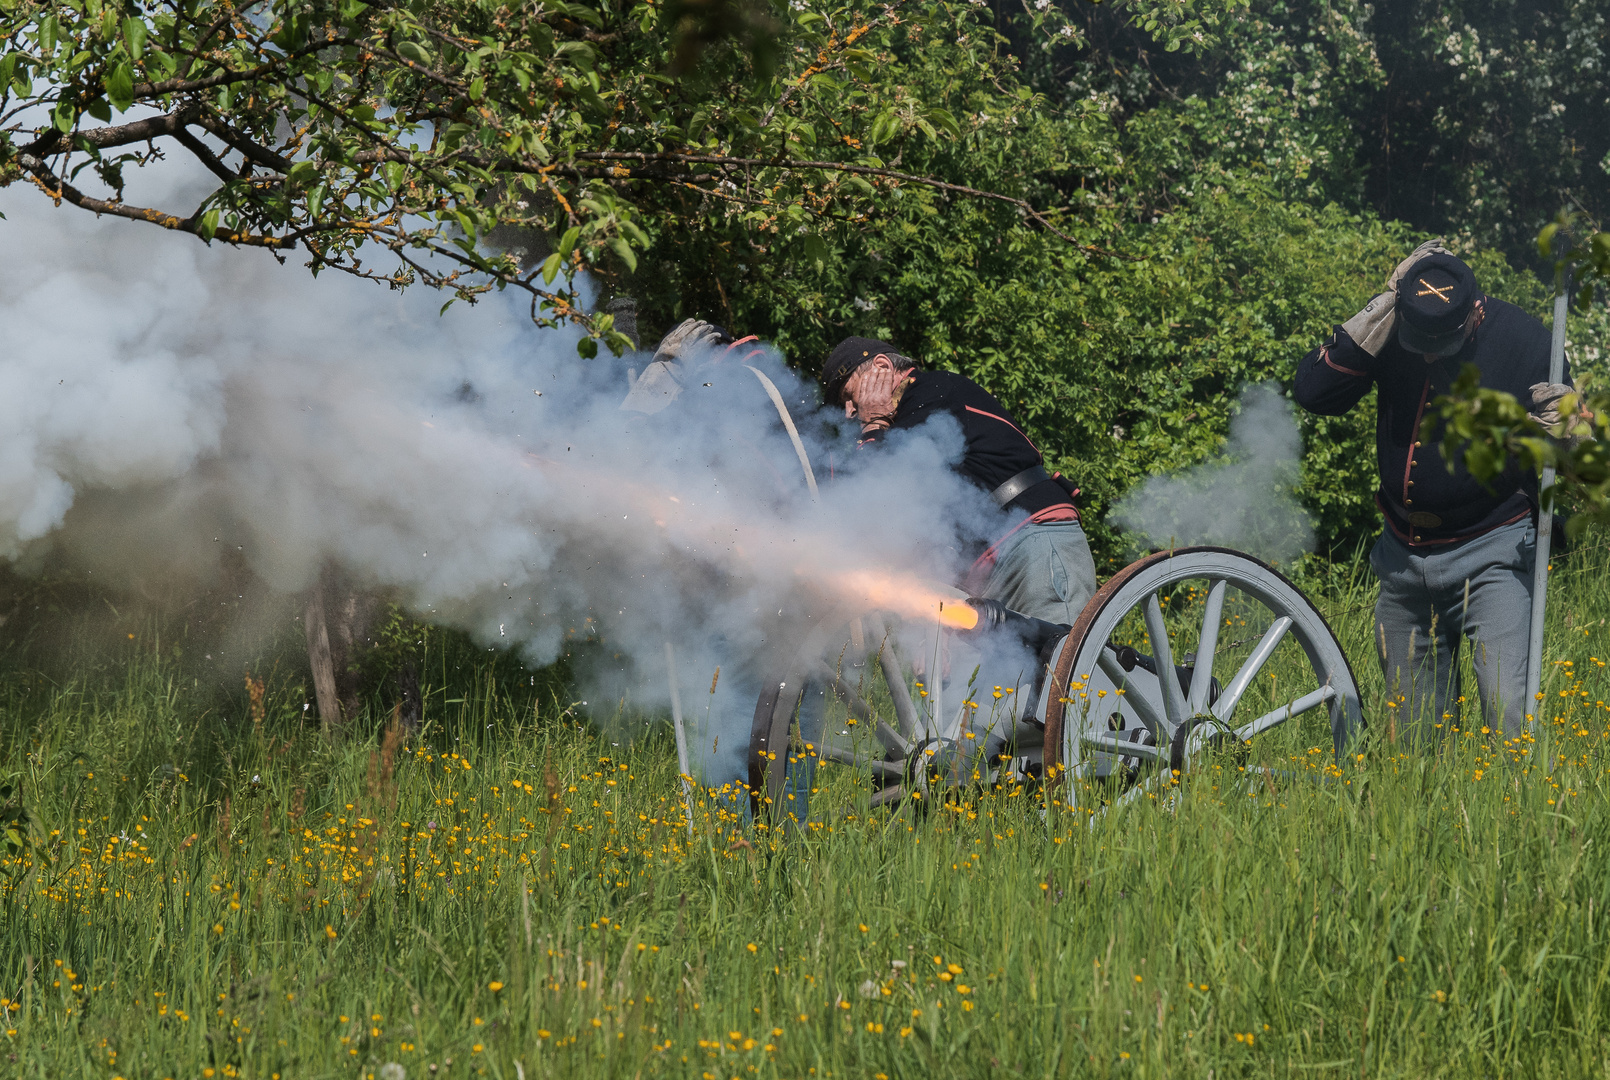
column 1045, row 571
column 1433, row 598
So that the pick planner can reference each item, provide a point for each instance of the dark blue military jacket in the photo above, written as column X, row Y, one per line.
column 1425, row 503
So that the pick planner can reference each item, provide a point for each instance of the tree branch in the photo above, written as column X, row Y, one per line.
column 252, row 151
column 200, row 151
column 855, row 170
column 58, row 189
column 114, row 135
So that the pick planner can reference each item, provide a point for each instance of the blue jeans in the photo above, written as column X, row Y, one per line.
column 1431, row 599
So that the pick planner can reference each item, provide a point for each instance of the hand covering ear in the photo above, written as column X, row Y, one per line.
column 1377, row 323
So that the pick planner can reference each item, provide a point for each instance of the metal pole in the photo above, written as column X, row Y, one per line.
column 681, row 733
column 1545, row 519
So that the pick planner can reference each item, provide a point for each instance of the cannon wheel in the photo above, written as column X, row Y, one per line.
column 1098, row 714
column 909, row 733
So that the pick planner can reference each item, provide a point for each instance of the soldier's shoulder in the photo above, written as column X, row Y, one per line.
column 1514, row 319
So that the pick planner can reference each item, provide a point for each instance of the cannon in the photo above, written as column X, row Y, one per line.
column 1102, row 700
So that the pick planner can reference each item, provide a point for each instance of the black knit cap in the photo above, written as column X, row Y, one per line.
column 1434, row 301
column 846, row 356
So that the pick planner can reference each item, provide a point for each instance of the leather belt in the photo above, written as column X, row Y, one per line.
column 1018, row 484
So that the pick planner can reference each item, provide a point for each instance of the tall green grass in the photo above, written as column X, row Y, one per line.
column 203, row 894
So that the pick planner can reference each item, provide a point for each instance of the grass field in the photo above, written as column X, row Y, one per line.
column 211, row 891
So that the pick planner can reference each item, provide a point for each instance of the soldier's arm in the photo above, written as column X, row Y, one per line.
column 1332, row 378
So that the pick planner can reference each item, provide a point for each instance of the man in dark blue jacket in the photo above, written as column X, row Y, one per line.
column 1456, row 557
column 1040, row 565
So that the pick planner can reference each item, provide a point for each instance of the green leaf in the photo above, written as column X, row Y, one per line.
column 624, row 250
column 550, row 267
column 587, row 348
column 208, row 225
column 816, row 250
column 120, row 87
column 578, row 54
column 134, row 31
column 413, row 50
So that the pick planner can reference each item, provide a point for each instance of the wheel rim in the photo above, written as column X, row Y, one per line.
column 914, row 748
column 1085, row 730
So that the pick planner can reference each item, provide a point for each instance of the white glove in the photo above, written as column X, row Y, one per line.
column 1430, row 247
column 1546, row 398
column 1377, row 323
column 1574, row 428
column 691, row 337
column 658, row 386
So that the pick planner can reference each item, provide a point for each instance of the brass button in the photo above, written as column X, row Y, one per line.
column 1414, row 463
column 1408, row 502
column 1417, row 538
column 1411, row 483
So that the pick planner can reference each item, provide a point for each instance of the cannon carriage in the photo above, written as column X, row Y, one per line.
column 1180, row 652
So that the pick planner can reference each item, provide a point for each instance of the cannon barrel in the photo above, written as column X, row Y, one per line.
column 994, row 617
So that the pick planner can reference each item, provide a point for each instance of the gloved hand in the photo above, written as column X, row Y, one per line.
column 1430, row 247
column 692, row 336
column 1575, row 425
column 1377, row 323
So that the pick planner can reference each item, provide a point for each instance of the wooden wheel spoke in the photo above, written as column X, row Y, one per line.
column 1286, row 712
column 857, row 705
column 1163, row 657
column 882, row 768
column 1206, row 644
column 1111, row 744
column 1143, row 708
column 1225, row 707
column 889, row 795
column 892, row 740
column 894, row 673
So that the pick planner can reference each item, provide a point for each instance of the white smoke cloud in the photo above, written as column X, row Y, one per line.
column 165, row 400
column 1244, row 500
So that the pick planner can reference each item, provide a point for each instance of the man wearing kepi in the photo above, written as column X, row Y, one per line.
column 1041, row 566
column 1456, row 557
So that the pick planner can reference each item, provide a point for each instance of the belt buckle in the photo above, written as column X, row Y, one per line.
column 1422, row 519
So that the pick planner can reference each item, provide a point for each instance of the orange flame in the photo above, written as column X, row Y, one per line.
column 908, row 596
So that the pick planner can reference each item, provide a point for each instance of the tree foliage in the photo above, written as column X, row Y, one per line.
column 421, row 126
column 1113, row 215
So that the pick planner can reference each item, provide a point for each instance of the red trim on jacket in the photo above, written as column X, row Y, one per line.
column 1414, row 440
column 1008, row 423
column 1324, row 354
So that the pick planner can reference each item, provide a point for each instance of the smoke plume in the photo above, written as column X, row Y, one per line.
column 166, row 400
column 1243, row 500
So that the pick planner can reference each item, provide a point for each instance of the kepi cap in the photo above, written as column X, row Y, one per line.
column 846, row 357
column 1434, row 301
